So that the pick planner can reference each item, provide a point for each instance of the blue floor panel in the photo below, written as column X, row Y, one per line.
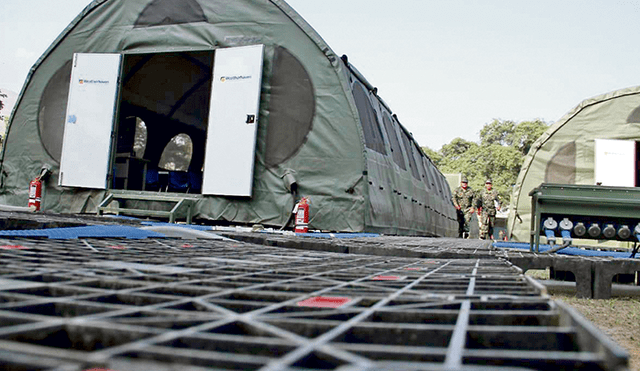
column 566, row 251
column 96, row 231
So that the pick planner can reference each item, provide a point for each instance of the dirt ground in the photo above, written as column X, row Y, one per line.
column 618, row 317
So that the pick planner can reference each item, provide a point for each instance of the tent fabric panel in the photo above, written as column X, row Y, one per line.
column 382, row 211
column 603, row 117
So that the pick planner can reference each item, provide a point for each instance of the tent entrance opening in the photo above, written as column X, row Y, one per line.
column 163, row 121
column 188, row 121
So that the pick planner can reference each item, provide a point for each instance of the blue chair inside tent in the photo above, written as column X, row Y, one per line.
column 152, row 181
column 195, row 181
column 178, row 181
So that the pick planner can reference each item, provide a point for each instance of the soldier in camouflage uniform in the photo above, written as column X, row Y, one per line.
column 463, row 201
column 488, row 203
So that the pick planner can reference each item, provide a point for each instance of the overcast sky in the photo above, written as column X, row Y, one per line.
column 445, row 67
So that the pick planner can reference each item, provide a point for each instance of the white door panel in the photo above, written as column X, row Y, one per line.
column 86, row 145
column 233, row 121
column 615, row 162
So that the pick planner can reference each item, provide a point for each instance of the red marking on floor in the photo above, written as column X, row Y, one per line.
column 13, row 247
column 324, row 302
column 387, row 278
column 186, row 246
column 118, row 247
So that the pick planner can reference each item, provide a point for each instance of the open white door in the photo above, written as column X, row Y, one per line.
column 615, row 162
column 233, row 121
column 89, row 121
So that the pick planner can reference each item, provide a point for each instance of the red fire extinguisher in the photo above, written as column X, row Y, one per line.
column 302, row 216
column 35, row 194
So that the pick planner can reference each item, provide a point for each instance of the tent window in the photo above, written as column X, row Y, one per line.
column 368, row 119
column 441, row 182
column 177, row 154
column 53, row 107
column 291, row 108
column 634, row 116
column 433, row 174
column 438, row 184
column 447, row 190
column 561, row 168
column 396, row 150
column 427, row 174
column 417, row 154
column 166, row 12
column 412, row 161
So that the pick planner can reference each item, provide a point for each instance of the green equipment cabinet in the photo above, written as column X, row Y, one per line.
column 584, row 211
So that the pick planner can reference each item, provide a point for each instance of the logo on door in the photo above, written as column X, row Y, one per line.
column 234, row 78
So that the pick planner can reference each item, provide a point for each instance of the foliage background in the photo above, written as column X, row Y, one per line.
column 498, row 155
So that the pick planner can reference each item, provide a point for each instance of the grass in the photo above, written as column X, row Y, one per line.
column 618, row 317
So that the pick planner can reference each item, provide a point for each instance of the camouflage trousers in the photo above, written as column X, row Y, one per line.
column 464, row 220
column 487, row 221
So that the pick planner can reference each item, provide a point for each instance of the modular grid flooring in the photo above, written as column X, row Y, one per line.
column 171, row 304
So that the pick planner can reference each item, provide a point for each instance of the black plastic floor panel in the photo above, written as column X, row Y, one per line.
column 168, row 304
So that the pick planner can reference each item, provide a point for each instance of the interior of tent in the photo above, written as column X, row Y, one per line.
column 163, row 120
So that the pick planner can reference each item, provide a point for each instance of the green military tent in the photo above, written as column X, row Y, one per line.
column 595, row 143
column 239, row 105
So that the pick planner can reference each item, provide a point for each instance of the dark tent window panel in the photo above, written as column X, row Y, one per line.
column 166, row 12
column 417, row 154
column 412, row 161
column 440, row 185
column 368, row 119
column 53, row 107
column 427, row 172
column 433, row 174
column 291, row 108
column 634, row 116
column 447, row 190
column 561, row 169
column 396, row 150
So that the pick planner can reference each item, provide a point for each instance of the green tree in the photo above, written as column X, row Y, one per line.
column 433, row 155
column 498, row 155
column 511, row 134
column 526, row 133
column 2, row 95
column 456, row 149
column 497, row 132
